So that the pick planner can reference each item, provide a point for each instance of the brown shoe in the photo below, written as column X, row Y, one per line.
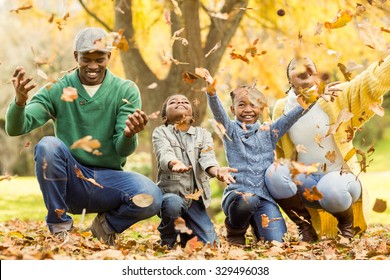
column 101, row 230
column 235, row 236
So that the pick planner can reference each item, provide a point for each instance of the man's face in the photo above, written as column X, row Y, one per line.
column 92, row 66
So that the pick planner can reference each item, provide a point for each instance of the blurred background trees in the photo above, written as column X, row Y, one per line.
column 39, row 35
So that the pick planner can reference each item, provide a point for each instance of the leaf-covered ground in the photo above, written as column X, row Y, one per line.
column 31, row 240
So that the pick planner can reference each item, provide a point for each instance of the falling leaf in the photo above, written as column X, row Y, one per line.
column 69, row 94
column 216, row 47
column 347, row 75
column 182, row 124
column 377, row 109
column 22, row 8
column 167, row 59
column 265, row 220
column 176, row 8
column 207, row 149
column 300, row 168
column 341, row 19
column 219, row 129
column 51, row 19
column 69, row 70
column 372, row 36
column 201, row 72
column 318, row 139
column 301, row 148
column 380, row 205
column 189, row 77
column 59, row 212
column 97, row 153
column 312, row 194
column 5, row 177
column 80, row 175
column 86, row 143
column 353, row 66
column 219, row 15
column 180, row 225
column 195, row 101
column 234, row 55
column 126, row 101
column 25, row 146
column 42, row 74
column 245, row 195
column 152, row 86
column 331, row 156
column 154, row 115
column 192, row 245
column 142, row 200
column 194, row 196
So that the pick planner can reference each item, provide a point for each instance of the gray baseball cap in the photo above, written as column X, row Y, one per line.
column 92, row 39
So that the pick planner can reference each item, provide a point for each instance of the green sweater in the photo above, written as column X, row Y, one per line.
column 102, row 116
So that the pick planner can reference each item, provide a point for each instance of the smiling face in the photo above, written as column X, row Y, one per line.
column 92, row 66
column 301, row 73
column 176, row 108
column 244, row 110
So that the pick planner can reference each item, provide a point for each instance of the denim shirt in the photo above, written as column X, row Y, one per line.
column 194, row 147
column 251, row 150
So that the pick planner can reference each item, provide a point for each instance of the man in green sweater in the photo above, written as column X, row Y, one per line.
column 102, row 108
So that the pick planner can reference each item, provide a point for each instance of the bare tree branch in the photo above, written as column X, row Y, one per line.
column 95, row 16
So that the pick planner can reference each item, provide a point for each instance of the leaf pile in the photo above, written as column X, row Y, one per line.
column 23, row 240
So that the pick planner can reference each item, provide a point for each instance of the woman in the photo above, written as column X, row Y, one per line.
column 335, row 179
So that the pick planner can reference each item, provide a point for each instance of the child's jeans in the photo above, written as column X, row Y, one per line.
column 195, row 216
column 244, row 211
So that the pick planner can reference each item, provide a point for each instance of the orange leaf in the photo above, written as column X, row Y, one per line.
column 69, row 94
column 181, row 226
column 194, row 196
column 80, row 175
column 331, row 156
column 59, row 212
column 189, row 77
column 86, row 143
column 183, row 122
column 192, row 245
column 380, row 205
column 312, row 195
column 341, row 19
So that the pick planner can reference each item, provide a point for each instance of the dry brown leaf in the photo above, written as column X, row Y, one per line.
column 347, row 75
column 142, row 200
column 69, row 94
column 372, row 36
column 22, row 8
column 300, row 168
column 219, row 129
column 380, row 205
column 318, row 139
column 301, row 148
column 195, row 101
column 59, row 212
column 216, row 47
column 5, row 177
column 154, row 115
column 192, row 245
column 180, row 225
column 312, row 195
column 183, row 122
column 265, row 220
column 194, row 196
column 207, row 149
column 245, row 195
column 86, row 143
column 331, row 156
column 80, row 175
column 176, row 37
column 189, row 77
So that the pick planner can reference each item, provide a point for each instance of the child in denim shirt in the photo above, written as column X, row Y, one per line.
column 249, row 148
column 186, row 160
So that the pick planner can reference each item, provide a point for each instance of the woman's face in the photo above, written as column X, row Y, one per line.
column 302, row 73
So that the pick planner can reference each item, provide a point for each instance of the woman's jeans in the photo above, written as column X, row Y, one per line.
column 63, row 191
column 244, row 211
column 339, row 191
column 195, row 216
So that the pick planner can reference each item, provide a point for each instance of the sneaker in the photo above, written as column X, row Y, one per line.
column 99, row 230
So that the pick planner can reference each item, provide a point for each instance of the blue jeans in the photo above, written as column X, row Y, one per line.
column 244, row 212
column 195, row 216
column 64, row 192
column 339, row 191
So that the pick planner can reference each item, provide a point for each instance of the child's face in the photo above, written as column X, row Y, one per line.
column 244, row 110
column 302, row 73
column 178, row 106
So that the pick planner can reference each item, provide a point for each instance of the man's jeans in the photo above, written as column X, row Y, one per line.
column 195, row 216
column 64, row 192
column 243, row 212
